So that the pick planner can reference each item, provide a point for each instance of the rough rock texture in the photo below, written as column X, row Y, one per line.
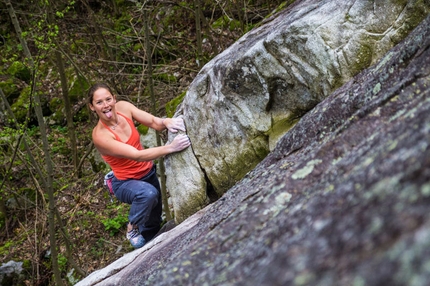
column 246, row 98
column 343, row 199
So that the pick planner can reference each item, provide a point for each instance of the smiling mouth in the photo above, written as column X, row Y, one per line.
column 108, row 113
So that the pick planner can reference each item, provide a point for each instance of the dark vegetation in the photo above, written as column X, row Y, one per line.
column 71, row 45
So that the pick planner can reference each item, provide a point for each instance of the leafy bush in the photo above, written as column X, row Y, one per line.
column 114, row 224
column 62, row 262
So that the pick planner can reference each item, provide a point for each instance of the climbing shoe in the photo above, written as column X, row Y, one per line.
column 135, row 238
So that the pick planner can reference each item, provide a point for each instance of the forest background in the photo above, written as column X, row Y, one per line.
column 55, row 215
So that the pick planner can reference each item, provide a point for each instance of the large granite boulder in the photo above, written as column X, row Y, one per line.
column 343, row 199
column 246, row 98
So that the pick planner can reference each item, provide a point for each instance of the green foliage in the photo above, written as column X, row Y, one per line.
column 173, row 104
column 62, row 262
column 10, row 87
column 56, row 105
column 225, row 22
column 84, row 218
column 2, row 220
column 83, row 115
column 115, row 223
column 9, row 49
column 98, row 249
column 137, row 47
column 44, row 40
column 165, row 77
column 4, row 249
column 121, row 25
column 19, row 70
column 168, row 16
column 75, row 46
column 143, row 130
column 78, row 89
column 21, row 106
column 8, row 135
column 26, row 264
column 97, row 165
column 61, row 146
column 58, row 140
column 28, row 193
column 33, row 131
column 282, row 6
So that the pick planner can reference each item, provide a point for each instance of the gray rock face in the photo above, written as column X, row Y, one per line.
column 343, row 199
column 9, row 272
column 250, row 95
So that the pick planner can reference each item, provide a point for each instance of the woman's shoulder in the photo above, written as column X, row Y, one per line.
column 96, row 130
column 125, row 108
column 123, row 104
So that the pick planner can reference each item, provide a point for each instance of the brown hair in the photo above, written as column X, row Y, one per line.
column 94, row 88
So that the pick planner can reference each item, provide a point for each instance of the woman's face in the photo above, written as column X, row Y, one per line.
column 103, row 103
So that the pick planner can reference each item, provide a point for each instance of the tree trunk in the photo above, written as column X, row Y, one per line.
column 18, row 31
column 67, row 106
column 3, row 218
column 39, row 114
column 50, row 190
column 100, row 40
column 72, row 137
column 209, row 31
column 197, row 12
column 67, row 109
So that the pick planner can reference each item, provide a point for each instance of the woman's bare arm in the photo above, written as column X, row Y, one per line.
column 108, row 145
column 147, row 119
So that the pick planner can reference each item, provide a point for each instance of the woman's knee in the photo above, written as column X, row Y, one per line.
column 148, row 194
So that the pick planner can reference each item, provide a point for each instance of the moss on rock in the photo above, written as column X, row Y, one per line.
column 173, row 104
column 20, row 71
column 21, row 106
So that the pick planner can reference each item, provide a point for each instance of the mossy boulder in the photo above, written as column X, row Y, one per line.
column 78, row 90
column 245, row 99
column 20, row 71
column 21, row 105
column 58, row 116
column 11, row 87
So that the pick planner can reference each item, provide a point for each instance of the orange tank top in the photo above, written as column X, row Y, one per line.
column 124, row 168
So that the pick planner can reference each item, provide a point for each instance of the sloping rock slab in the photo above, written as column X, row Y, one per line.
column 343, row 199
column 134, row 259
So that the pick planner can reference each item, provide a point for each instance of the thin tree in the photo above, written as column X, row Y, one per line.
column 209, row 31
column 65, row 92
column 154, row 111
column 100, row 40
column 23, row 139
column 41, row 122
column 198, row 13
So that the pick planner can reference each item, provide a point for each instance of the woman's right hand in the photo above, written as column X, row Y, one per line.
column 180, row 142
